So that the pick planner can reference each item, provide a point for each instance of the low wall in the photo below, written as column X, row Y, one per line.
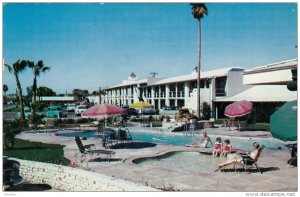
column 73, row 179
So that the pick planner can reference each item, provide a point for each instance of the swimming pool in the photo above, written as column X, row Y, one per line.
column 188, row 162
column 244, row 143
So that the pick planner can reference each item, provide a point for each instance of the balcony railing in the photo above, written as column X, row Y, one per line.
column 159, row 95
column 179, row 94
column 220, row 92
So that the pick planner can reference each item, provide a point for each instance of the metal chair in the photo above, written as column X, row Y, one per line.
column 86, row 149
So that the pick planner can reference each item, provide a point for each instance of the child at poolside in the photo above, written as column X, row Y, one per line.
column 218, row 147
column 227, row 148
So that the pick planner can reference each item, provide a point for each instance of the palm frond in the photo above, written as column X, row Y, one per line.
column 198, row 10
column 44, row 69
column 40, row 64
column 8, row 67
column 30, row 64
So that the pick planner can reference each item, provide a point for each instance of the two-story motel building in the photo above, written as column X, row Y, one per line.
column 216, row 87
column 178, row 91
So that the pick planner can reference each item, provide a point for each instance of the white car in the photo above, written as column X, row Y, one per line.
column 71, row 107
column 79, row 109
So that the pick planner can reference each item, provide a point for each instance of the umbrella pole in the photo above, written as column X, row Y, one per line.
column 105, row 121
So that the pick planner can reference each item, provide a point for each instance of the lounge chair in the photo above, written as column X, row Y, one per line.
column 293, row 150
column 246, row 162
column 249, row 162
column 87, row 150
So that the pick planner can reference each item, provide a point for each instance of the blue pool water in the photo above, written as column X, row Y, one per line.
column 244, row 143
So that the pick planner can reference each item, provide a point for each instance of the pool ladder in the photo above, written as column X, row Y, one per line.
column 189, row 130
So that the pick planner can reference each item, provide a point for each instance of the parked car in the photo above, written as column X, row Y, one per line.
column 55, row 112
column 27, row 112
column 11, row 169
column 149, row 111
column 71, row 107
column 79, row 109
column 169, row 108
column 130, row 112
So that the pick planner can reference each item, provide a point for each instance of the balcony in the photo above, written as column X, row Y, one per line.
column 179, row 94
column 159, row 95
column 220, row 92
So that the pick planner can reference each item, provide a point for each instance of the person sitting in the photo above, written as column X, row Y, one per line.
column 218, row 147
column 203, row 143
column 239, row 158
column 227, row 148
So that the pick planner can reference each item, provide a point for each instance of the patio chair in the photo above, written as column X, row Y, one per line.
column 249, row 162
column 86, row 149
column 124, row 136
column 293, row 150
column 246, row 162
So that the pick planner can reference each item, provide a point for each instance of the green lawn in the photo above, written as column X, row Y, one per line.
column 35, row 151
column 14, row 109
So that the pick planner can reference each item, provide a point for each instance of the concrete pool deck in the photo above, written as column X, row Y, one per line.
column 277, row 176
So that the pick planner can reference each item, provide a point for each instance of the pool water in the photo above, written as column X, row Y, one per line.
column 244, row 143
column 188, row 162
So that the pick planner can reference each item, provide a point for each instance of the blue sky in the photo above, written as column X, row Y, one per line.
column 96, row 45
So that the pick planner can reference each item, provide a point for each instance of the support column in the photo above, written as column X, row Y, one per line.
column 136, row 93
column 186, row 93
column 212, row 97
column 176, row 94
column 152, row 95
column 167, row 94
column 159, row 96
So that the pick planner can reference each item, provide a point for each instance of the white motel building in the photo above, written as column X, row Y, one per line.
column 263, row 84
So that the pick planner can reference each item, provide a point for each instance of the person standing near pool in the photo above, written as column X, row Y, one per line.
column 203, row 143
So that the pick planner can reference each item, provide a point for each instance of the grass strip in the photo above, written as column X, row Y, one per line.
column 36, row 151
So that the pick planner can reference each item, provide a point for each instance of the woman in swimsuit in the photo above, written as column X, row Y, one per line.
column 203, row 143
column 238, row 158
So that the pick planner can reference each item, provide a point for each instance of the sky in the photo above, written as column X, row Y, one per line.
column 97, row 45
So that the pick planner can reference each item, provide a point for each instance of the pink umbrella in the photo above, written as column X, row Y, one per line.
column 238, row 109
column 102, row 111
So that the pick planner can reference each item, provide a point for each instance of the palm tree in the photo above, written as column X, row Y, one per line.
column 37, row 70
column 198, row 11
column 17, row 68
column 5, row 89
column 101, row 93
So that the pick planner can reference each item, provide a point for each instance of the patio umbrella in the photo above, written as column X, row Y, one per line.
column 283, row 122
column 141, row 104
column 102, row 111
column 238, row 109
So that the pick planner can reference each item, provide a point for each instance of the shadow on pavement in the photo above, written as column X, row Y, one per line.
column 105, row 159
column 29, row 187
column 133, row 145
column 268, row 169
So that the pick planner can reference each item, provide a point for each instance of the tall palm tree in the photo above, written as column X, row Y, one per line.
column 101, row 93
column 5, row 89
column 198, row 11
column 37, row 70
column 17, row 68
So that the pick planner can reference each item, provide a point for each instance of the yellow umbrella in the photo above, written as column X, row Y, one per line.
column 141, row 104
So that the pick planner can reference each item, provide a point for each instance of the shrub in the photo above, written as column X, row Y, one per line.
column 10, row 129
column 205, row 111
column 9, row 137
